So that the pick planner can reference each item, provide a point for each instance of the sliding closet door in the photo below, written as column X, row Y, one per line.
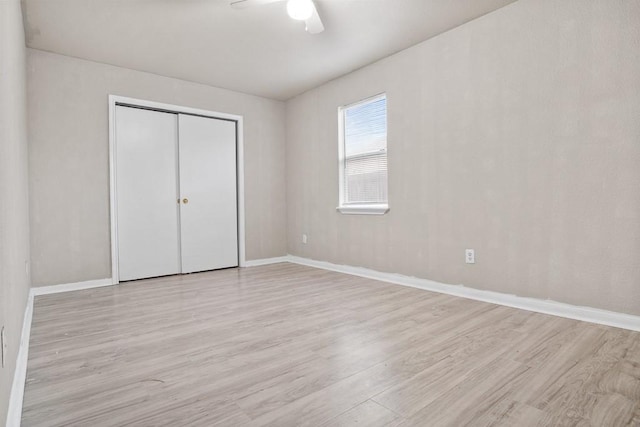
column 147, row 192
column 208, row 208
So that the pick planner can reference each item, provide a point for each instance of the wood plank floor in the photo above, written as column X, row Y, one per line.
column 286, row 345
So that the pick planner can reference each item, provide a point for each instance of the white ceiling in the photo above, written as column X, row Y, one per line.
column 258, row 50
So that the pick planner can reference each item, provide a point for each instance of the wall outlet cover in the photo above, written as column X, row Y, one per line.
column 469, row 256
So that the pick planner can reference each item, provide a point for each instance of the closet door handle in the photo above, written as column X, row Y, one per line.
column 185, row 200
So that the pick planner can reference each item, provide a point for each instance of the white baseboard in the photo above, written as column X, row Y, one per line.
column 14, row 414
column 266, row 261
column 55, row 289
column 586, row 314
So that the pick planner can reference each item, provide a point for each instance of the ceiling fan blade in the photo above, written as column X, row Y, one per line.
column 314, row 24
column 243, row 4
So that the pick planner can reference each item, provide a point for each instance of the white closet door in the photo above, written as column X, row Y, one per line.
column 208, row 212
column 147, row 191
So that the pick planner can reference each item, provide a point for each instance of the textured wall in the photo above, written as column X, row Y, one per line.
column 14, row 199
column 517, row 134
column 69, row 161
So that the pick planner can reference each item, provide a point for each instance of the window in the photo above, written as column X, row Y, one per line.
column 363, row 157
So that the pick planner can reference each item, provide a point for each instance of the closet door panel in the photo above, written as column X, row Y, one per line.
column 208, row 212
column 147, row 191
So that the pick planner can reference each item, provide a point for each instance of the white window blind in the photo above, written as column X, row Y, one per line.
column 364, row 155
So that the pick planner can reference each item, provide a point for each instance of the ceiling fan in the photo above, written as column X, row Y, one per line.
column 301, row 10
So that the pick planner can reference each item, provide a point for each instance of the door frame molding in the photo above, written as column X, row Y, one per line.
column 115, row 100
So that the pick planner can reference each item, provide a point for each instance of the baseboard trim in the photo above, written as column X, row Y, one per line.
column 586, row 314
column 67, row 287
column 266, row 261
column 14, row 414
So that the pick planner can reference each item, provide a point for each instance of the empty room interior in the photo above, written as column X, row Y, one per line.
column 320, row 212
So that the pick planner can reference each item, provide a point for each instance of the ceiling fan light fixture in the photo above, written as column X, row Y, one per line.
column 300, row 10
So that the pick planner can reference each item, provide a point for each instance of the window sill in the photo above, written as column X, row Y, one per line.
column 363, row 209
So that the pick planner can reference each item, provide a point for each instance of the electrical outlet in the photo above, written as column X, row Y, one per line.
column 304, row 239
column 3, row 345
column 469, row 256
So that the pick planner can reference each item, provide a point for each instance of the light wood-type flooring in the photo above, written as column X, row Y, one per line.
column 287, row 345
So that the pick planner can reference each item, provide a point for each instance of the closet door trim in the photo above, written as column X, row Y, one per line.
column 115, row 100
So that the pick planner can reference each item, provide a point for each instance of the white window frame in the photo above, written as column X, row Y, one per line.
column 354, row 208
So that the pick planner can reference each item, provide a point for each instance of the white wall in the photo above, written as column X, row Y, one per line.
column 14, row 207
column 69, row 163
column 516, row 134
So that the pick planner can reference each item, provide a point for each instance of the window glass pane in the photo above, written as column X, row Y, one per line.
column 365, row 127
column 365, row 153
column 366, row 178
